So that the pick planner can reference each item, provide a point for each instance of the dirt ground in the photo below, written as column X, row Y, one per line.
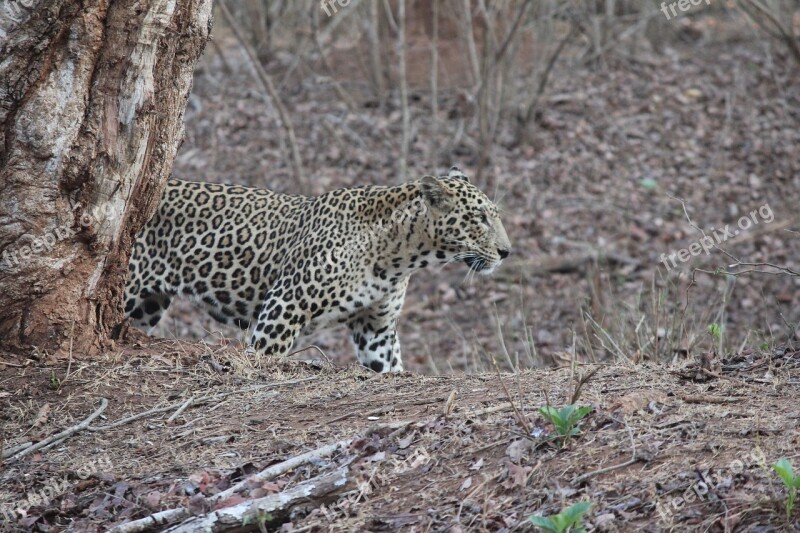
column 663, row 449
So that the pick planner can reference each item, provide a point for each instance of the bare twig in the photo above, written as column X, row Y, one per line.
column 633, row 460
column 387, row 8
column 376, row 71
column 519, row 416
column 137, row 416
column 608, row 44
column 401, row 55
column 324, row 60
column 434, row 154
column 69, row 363
column 602, row 330
column 467, row 31
column 520, row 16
column 581, row 382
column 181, row 409
column 545, row 77
column 327, row 33
column 309, row 347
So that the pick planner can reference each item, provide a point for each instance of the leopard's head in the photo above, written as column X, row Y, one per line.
column 463, row 224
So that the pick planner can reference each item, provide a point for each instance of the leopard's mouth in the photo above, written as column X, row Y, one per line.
column 476, row 263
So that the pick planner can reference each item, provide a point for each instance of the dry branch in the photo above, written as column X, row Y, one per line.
column 401, row 55
column 784, row 33
column 63, row 434
column 633, row 460
column 703, row 398
column 161, row 518
column 533, row 105
column 281, row 468
column 8, row 452
column 181, row 409
column 376, row 71
column 327, row 33
column 196, row 402
column 472, row 50
column 434, row 155
column 266, row 81
column 253, row 511
column 173, row 515
column 517, row 414
column 324, row 60
column 573, row 262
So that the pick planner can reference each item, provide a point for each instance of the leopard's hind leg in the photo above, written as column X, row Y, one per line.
column 146, row 311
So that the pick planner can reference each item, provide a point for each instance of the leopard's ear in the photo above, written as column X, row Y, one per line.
column 435, row 193
column 455, row 172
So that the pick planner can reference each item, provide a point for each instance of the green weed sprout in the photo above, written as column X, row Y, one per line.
column 566, row 419
column 784, row 469
column 715, row 330
column 564, row 521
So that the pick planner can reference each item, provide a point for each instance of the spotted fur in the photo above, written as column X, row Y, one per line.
column 279, row 265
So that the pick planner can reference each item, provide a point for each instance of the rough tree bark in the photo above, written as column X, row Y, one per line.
column 92, row 95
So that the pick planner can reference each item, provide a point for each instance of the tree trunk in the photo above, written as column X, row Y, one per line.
column 92, row 96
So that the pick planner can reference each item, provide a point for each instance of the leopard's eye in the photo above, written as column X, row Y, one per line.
column 484, row 218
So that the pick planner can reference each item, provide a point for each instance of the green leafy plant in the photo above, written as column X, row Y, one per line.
column 567, row 520
column 715, row 330
column 784, row 469
column 566, row 419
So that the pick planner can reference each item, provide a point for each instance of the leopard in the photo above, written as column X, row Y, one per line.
column 280, row 266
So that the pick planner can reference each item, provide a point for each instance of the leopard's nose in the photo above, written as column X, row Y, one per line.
column 503, row 253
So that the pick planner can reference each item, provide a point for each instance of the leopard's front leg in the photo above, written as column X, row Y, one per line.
column 279, row 323
column 374, row 334
column 376, row 343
